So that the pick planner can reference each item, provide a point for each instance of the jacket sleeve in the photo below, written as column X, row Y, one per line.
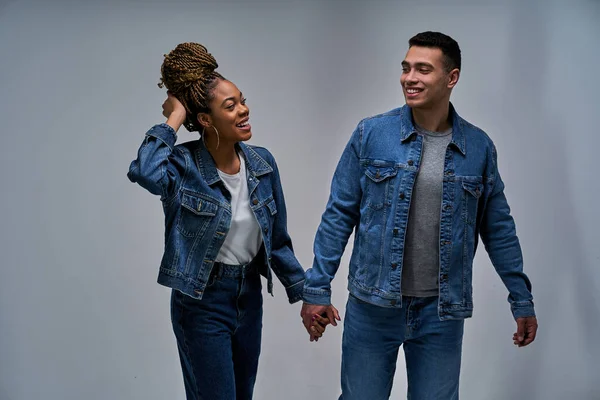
column 341, row 215
column 284, row 263
column 155, row 168
column 498, row 234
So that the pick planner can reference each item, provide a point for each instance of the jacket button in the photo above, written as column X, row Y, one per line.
column 395, row 231
column 413, row 137
column 377, row 175
column 255, row 201
column 402, row 196
column 266, row 230
column 410, row 162
column 393, row 302
column 394, row 265
column 447, row 207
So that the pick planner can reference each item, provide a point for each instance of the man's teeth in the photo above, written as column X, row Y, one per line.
column 413, row 91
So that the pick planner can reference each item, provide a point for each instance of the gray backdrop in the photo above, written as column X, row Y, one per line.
column 81, row 315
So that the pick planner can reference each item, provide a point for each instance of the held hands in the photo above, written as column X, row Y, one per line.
column 316, row 317
column 526, row 331
column 317, row 328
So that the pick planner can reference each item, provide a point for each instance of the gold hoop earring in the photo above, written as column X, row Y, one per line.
column 202, row 137
column 218, row 139
column 203, row 134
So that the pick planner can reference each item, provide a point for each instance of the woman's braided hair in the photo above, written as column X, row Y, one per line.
column 188, row 72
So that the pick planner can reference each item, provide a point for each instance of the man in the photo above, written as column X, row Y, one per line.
column 420, row 184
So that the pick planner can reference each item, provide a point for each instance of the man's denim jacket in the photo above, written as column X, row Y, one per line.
column 371, row 192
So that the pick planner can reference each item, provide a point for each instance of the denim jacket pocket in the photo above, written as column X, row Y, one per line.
column 377, row 186
column 196, row 213
column 271, row 214
column 472, row 193
column 272, row 207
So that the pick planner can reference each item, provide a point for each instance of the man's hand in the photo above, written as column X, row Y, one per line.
column 526, row 331
column 317, row 327
column 310, row 311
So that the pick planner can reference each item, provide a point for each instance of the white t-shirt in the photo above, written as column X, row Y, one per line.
column 244, row 239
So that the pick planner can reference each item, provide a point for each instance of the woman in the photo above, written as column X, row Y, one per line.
column 225, row 225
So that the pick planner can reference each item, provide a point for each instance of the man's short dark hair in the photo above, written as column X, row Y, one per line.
column 445, row 43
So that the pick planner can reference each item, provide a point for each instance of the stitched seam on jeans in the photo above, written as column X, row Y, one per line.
column 187, row 352
column 239, row 315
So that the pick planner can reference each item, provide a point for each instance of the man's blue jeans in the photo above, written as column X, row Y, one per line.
column 219, row 336
column 372, row 337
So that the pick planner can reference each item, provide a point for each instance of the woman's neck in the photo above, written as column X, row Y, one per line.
column 226, row 158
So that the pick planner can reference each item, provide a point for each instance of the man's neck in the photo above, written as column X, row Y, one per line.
column 433, row 119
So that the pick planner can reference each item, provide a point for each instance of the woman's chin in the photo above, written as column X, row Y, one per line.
column 245, row 136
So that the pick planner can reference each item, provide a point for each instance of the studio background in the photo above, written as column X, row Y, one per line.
column 81, row 314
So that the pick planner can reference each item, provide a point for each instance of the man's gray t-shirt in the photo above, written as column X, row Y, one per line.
column 421, row 264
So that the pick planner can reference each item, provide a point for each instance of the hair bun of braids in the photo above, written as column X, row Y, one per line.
column 187, row 63
column 188, row 72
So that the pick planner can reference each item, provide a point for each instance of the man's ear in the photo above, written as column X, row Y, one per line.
column 453, row 77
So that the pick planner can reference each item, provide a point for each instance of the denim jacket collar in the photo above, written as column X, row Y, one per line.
column 458, row 136
column 255, row 164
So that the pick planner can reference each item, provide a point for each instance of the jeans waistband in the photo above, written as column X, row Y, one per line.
column 234, row 271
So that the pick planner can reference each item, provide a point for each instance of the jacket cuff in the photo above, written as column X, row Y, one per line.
column 294, row 292
column 522, row 309
column 164, row 133
column 316, row 296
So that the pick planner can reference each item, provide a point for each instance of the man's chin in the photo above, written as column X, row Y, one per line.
column 413, row 103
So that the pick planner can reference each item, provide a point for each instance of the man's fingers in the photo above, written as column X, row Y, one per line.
column 309, row 313
column 336, row 313
column 331, row 316
column 317, row 328
column 526, row 331
column 320, row 320
column 315, row 331
column 520, row 330
column 531, row 334
column 526, row 342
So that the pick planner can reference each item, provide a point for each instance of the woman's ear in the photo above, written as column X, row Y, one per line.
column 204, row 119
